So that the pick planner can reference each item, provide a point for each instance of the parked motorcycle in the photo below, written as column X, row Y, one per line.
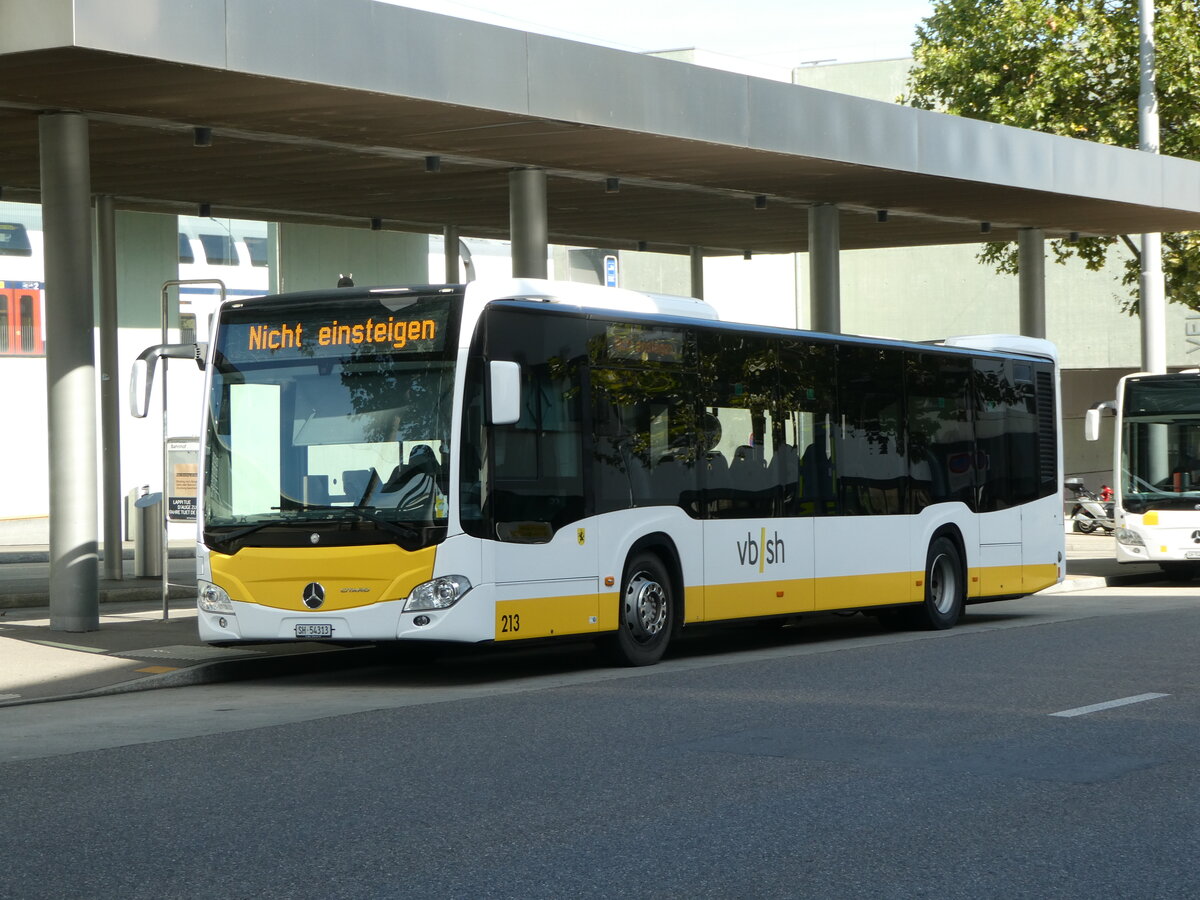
column 1091, row 513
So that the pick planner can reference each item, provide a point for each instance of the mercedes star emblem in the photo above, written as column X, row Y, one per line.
column 314, row 595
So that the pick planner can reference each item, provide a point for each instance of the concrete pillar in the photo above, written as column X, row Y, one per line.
column 1031, row 267
column 1152, row 301
column 528, row 222
column 450, row 240
column 824, row 251
column 110, row 385
column 1152, row 304
column 70, row 371
column 697, row 260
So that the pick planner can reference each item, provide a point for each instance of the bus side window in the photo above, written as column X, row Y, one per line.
column 941, row 438
column 644, row 452
column 739, row 380
column 868, row 441
column 806, row 408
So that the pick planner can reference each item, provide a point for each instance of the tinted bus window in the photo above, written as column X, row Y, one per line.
column 869, row 459
column 740, row 424
column 644, row 393
column 807, row 410
column 941, row 436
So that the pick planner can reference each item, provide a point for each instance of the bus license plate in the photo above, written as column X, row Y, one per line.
column 1192, row 554
column 314, row 631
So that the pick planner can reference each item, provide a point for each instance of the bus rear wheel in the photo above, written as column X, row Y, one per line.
column 945, row 586
column 646, row 616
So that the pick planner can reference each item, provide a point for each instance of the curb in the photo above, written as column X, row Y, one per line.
column 132, row 594
column 216, row 671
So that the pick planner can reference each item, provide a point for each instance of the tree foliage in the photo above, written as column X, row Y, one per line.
column 1069, row 67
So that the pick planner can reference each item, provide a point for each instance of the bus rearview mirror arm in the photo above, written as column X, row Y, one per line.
column 141, row 376
column 1091, row 419
column 504, row 392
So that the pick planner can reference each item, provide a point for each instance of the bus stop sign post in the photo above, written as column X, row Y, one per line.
column 167, row 440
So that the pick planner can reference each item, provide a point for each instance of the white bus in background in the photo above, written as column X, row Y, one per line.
column 1156, row 469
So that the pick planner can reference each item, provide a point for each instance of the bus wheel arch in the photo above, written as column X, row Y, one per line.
column 945, row 581
column 650, row 603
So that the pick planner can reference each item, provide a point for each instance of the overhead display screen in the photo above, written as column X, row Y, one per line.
column 338, row 329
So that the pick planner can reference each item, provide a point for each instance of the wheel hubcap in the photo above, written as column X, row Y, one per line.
column 943, row 583
column 645, row 607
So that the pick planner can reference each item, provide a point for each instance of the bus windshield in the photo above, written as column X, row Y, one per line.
column 329, row 423
column 1160, row 443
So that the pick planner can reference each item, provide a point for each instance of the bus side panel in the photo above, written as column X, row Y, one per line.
column 865, row 561
column 545, row 589
column 1000, row 556
column 1042, row 537
column 757, row 567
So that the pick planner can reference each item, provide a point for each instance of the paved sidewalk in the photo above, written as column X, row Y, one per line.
column 136, row 648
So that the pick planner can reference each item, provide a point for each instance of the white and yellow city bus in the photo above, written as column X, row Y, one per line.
column 1156, row 469
column 530, row 460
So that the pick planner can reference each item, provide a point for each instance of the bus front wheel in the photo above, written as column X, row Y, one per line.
column 945, row 586
column 647, row 613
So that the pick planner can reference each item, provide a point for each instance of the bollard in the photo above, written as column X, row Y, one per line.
column 148, row 536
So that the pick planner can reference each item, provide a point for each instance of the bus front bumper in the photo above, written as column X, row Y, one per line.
column 470, row 620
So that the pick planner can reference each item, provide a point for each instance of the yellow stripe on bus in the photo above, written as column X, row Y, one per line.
column 548, row 617
column 580, row 614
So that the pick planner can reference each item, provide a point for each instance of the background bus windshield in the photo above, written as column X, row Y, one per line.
column 335, row 420
column 1161, row 443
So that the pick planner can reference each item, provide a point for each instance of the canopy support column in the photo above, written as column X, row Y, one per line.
column 696, row 256
column 70, row 371
column 824, row 251
column 450, row 242
column 528, row 228
column 110, row 386
column 1031, row 268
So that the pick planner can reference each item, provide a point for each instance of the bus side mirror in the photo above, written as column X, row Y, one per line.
column 141, row 376
column 504, row 392
column 141, row 379
column 1091, row 419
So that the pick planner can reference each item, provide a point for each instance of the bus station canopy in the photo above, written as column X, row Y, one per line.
column 349, row 111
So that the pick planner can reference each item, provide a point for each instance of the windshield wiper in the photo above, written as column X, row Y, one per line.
column 361, row 513
column 242, row 532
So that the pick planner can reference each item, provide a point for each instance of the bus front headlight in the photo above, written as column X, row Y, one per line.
column 213, row 599
column 1129, row 537
column 441, row 593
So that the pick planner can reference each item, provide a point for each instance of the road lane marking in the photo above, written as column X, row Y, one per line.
column 1109, row 704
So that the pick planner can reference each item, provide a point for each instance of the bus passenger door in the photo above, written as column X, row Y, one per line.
column 545, row 547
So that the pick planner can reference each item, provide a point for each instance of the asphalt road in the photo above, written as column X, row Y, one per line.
column 836, row 759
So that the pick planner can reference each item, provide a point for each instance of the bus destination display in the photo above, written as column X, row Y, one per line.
column 365, row 333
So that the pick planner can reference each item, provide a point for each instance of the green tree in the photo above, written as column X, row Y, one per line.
column 1069, row 67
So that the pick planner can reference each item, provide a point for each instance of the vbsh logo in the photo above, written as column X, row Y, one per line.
column 760, row 553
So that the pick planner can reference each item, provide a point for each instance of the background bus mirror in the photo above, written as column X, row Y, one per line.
column 141, row 378
column 1091, row 425
column 504, row 392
